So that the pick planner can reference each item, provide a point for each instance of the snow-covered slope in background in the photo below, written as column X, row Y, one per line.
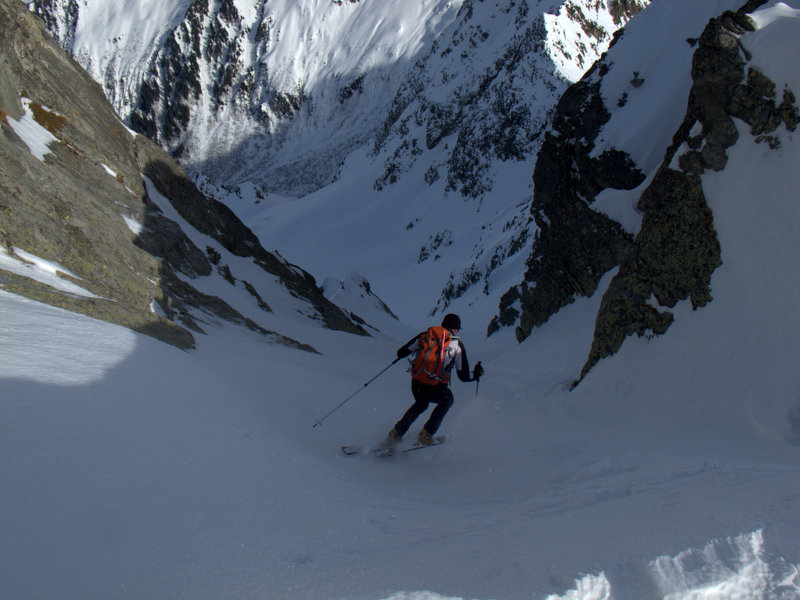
column 259, row 79
column 439, row 105
column 288, row 64
column 113, row 41
column 464, row 253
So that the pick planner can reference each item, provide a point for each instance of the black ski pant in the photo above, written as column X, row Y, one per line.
column 439, row 394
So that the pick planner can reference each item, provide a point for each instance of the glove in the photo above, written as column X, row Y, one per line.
column 477, row 372
column 403, row 352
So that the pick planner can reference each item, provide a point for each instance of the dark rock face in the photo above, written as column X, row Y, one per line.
column 219, row 222
column 675, row 252
column 575, row 246
column 67, row 208
column 673, row 258
column 71, row 208
column 623, row 9
column 677, row 249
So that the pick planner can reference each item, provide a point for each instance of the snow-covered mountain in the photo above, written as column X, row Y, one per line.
column 137, row 243
column 431, row 110
column 608, row 196
column 463, row 92
column 133, row 469
column 238, row 88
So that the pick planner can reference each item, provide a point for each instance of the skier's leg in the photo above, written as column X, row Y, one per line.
column 443, row 400
column 420, row 405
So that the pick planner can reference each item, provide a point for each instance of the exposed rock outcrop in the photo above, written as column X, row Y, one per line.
column 575, row 245
column 676, row 250
column 85, row 206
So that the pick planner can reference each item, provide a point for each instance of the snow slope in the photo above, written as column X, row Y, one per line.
column 131, row 469
column 137, row 470
column 114, row 41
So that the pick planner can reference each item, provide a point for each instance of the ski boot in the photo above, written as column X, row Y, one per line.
column 425, row 438
column 391, row 439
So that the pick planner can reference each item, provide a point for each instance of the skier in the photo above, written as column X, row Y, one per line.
column 436, row 352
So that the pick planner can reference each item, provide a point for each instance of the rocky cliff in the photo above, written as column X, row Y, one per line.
column 359, row 74
column 114, row 216
column 675, row 251
column 445, row 102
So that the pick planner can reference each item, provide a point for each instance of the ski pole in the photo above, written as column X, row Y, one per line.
column 477, row 381
column 319, row 421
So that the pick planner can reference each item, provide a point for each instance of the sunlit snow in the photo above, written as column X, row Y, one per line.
column 132, row 469
column 35, row 136
column 43, row 271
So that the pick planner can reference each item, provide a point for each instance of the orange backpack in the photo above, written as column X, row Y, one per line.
column 427, row 366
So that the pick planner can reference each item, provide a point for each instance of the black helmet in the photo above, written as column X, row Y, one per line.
column 451, row 321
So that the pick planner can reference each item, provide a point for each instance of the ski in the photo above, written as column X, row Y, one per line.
column 380, row 451
column 417, row 446
column 387, row 451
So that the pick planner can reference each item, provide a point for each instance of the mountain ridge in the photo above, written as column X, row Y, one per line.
column 458, row 114
column 474, row 89
column 675, row 250
column 87, row 203
column 233, row 57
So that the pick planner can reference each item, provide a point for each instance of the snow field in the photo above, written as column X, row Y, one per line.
column 137, row 470
column 205, row 477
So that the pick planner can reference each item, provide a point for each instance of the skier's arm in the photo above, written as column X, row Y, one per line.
column 463, row 368
column 408, row 347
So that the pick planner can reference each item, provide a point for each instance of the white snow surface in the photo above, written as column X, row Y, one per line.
column 777, row 20
column 44, row 271
column 137, row 470
column 658, row 105
column 131, row 469
column 36, row 137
